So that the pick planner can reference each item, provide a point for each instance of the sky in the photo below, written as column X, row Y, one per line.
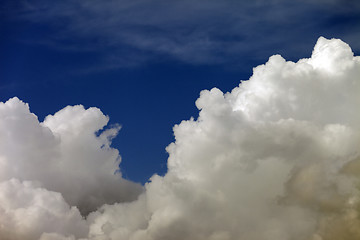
column 144, row 63
column 228, row 119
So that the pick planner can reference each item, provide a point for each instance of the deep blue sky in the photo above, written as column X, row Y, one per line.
column 144, row 62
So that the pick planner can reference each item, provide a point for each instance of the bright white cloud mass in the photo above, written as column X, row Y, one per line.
column 278, row 158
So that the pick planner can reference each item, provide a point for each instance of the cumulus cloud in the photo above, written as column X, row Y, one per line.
column 63, row 154
column 29, row 212
column 276, row 158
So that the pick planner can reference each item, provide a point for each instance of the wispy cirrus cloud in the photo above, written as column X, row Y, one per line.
column 203, row 32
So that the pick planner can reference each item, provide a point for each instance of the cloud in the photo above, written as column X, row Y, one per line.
column 276, row 158
column 63, row 154
column 128, row 33
column 29, row 212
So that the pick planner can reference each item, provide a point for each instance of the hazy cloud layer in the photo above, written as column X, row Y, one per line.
column 277, row 158
column 127, row 32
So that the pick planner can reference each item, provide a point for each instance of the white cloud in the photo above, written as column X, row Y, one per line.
column 63, row 154
column 28, row 212
column 277, row 158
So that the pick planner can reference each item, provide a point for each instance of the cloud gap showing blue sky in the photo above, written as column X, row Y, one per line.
column 275, row 158
column 103, row 53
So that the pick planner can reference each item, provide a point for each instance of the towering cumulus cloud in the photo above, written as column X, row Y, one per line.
column 278, row 158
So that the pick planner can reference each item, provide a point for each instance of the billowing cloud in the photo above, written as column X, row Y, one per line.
column 29, row 212
column 63, row 154
column 276, row 158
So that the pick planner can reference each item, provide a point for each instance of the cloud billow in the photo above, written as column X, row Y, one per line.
column 276, row 158
column 63, row 154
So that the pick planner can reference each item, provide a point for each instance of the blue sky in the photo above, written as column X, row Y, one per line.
column 144, row 63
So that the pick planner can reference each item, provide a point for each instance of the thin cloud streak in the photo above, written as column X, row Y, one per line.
column 129, row 33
